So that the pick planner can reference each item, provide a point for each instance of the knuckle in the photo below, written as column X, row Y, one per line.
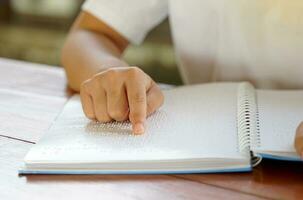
column 85, row 86
column 98, row 76
column 111, row 77
column 118, row 115
column 96, row 82
column 134, row 71
column 139, row 97
column 110, row 72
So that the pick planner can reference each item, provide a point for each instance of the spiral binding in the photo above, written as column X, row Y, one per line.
column 248, row 122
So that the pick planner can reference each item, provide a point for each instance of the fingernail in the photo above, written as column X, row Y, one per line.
column 138, row 128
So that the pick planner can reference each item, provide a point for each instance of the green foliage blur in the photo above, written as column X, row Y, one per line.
column 35, row 30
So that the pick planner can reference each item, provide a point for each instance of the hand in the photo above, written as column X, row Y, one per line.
column 120, row 94
column 299, row 140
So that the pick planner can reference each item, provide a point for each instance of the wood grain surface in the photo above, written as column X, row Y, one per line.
column 269, row 180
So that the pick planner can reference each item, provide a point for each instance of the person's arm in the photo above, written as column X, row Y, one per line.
column 91, row 47
column 109, row 88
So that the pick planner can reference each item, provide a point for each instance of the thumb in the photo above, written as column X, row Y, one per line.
column 155, row 99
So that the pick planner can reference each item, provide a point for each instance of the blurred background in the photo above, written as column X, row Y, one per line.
column 35, row 30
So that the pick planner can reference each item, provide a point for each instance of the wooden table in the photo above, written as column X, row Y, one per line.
column 43, row 89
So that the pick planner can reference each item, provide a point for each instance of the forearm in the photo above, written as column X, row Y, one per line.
column 86, row 53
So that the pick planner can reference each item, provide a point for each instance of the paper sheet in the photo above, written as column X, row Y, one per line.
column 280, row 113
column 195, row 122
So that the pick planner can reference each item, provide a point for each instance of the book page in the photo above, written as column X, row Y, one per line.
column 194, row 122
column 280, row 113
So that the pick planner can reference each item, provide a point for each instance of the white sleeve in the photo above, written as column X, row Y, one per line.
column 133, row 19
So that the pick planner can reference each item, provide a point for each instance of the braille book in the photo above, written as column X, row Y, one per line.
column 206, row 128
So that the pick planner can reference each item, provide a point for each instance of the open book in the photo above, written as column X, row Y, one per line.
column 219, row 127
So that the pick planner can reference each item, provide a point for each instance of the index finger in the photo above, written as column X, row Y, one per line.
column 299, row 140
column 136, row 95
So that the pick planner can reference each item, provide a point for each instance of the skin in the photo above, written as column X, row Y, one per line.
column 110, row 89
column 299, row 140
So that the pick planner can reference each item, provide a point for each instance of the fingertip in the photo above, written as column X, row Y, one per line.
column 138, row 128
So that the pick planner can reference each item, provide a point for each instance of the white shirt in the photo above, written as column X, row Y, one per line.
column 260, row 41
